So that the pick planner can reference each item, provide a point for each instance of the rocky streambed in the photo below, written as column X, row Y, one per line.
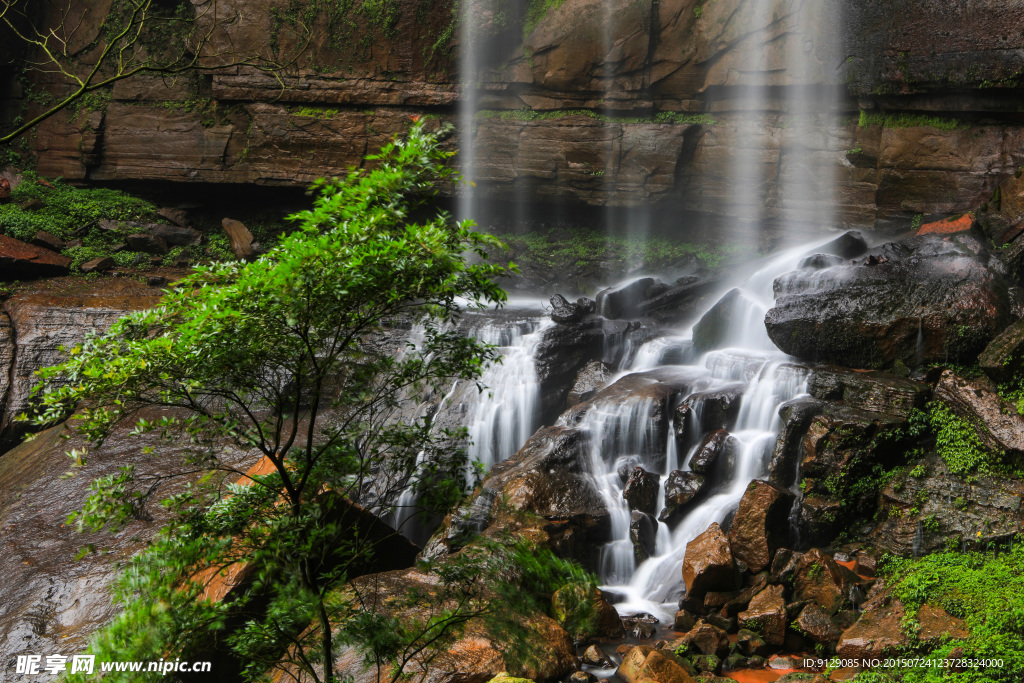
column 730, row 456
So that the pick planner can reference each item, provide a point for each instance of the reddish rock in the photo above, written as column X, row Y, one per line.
column 644, row 663
column 878, row 632
column 820, row 580
column 21, row 261
column 98, row 265
column 5, row 190
column 937, row 625
column 818, row 626
column 709, row 639
column 241, row 239
column 766, row 615
column 708, row 564
column 710, row 449
column 47, row 241
column 760, row 525
column 948, row 226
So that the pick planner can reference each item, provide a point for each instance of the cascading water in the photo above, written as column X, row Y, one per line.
column 620, row 433
column 501, row 418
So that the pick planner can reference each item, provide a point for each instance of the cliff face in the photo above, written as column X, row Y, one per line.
column 641, row 71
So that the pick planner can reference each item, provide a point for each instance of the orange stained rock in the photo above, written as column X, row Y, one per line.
column 948, row 226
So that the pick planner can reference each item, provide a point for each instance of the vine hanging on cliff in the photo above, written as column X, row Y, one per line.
column 64, row 42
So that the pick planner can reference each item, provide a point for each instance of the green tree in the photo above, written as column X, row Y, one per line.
column 291, row 357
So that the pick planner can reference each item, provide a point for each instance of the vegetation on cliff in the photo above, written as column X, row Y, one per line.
column 284, row 358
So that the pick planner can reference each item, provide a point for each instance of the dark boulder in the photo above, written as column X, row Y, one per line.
column 148, row 244
column 709, row 451
column 623, row 301
column 176, row 235
column 817, row 625
column 820, row 580
column 564, row 312
column 849, row 245
column 796, row 416
column 715, row 329
column 681, row 488
column 680, row 300
column 47, row 241
column 643, row 532
column 1003, row 358
column 877, row 392
column 641, row 490
column 926, row 300
column 767, row 615
column 564, row 349
column 820, row 262
column 717, row 408
column 589, row 381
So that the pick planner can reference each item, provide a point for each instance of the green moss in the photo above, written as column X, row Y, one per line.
column 910, row 121
column 986, row 591
column 957, row 442
column 63, row 210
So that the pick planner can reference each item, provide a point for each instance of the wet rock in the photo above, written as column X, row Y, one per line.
column 643, row 532
column 681, row 488
column 157, row 281
column 148, row 244
column 873, row 391
column 684, row 620
column 783, row 565
column 176, row 235
column 709, row 451
column 641, row 490
column 37, row 322
column 714, row 329
column 623, row 301
column 595, row 656
column 820, row 262
column 935, row 625
column 922, row 514
column 589, row 381
column 761, row 524
column 929, row 300
column 241, row 239
column 708, row 639
column 52, row 603
column 47, row 241
column 767, row 616
column 849, row 245
column 751, row 644
column 565, row 349
column 587, row 305
column 21, row 261
column 818, row 579
column 642, row 399
column 817, row 625
column 708, row 564
column 585, row 615
column 5, row 190
column 644, row 664
column 1003, row 358
column 581, row 677
column 796, row 416
column 717, row 408
column 707, row 665
column 477, row 649
column 640, row 626
column 878, row 632
column 995, row 421
column 97, row 265
column 564, row 312
column 679, row 300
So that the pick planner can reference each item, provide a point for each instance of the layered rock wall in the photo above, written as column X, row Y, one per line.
column 661, row 87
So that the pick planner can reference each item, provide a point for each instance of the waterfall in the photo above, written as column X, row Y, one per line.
column 620, row 432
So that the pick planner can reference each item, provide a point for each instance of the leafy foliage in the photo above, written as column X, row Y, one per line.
column 285, row 358
column 956, row 440
column 985, row 590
